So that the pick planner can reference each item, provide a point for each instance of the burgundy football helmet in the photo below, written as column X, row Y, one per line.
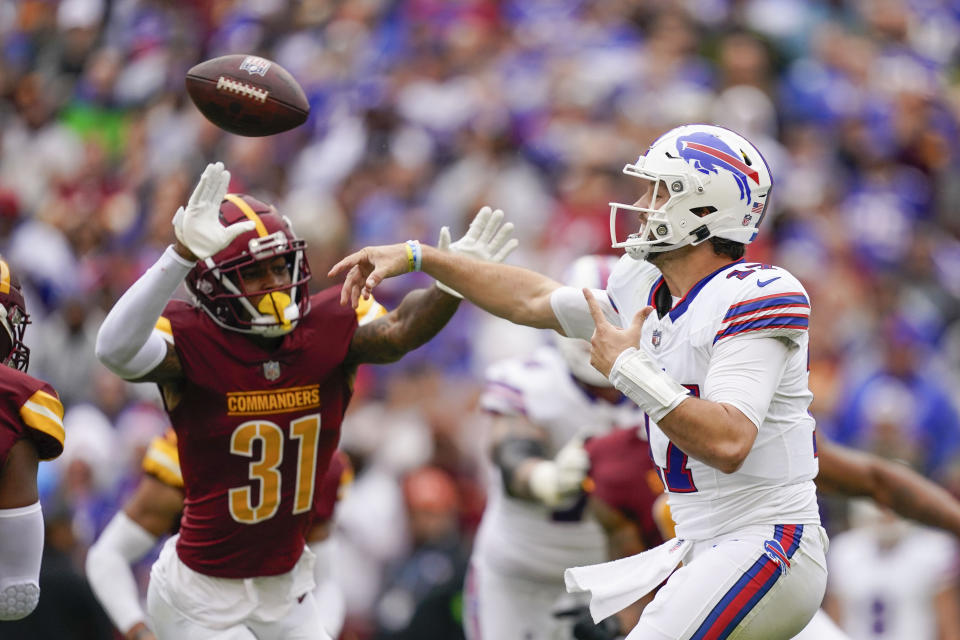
column 217, row 285
column 14, row 318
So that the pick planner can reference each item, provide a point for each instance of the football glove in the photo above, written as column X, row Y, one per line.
column 554, row 482
column 198, row 226
column 485, row 240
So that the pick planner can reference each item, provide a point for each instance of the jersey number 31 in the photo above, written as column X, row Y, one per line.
column 306, row 431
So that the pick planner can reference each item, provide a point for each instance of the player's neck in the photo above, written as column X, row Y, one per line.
column 684, row 267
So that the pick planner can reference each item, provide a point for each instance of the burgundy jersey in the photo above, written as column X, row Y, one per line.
column 625, row 478
column 29, row 408
column 255, row 432
column 339, row 475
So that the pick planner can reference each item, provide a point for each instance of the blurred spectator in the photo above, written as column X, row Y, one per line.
column 891, row 579
column 422, row 597
column 898, row 409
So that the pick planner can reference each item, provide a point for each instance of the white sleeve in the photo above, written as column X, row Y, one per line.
column 745, row 373
column 122, row 543
column 21, row 533
column 126, row 342
column 572, row 312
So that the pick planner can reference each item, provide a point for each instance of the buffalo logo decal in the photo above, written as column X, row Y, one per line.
column 709, row 154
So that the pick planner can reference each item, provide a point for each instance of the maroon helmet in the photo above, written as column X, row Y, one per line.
column 14, row 318
column 217, row 285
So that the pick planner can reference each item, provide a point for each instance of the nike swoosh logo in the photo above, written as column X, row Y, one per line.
column 763, row 283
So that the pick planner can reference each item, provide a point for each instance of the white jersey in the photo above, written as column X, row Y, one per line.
column 741, row 301
column 522, row 537
column 887, row 592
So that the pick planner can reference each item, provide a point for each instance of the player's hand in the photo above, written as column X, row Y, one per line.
column 554, row 482
column 486, row 240
column 608, row 341
column 367, row 268
column 197, row 226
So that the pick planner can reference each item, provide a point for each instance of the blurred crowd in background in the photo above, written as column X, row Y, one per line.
column 421, row 112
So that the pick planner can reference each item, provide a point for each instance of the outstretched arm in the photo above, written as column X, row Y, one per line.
column 126, row 342
column 422, row 313
column 519, row 295
column 420, row 316
column 892, row 485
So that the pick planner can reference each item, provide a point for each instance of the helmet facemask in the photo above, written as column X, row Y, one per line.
column 15, row 320
column 218, row 286
column 704, row 181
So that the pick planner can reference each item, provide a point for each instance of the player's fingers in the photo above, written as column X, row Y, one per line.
column 478, row 223
column 349, row 262
column 500, row 239
column 203, row 185
column 239, row 228
column 507, row 249
column 595, row 311
column 640, row 317
column 443, row 243
column 220, row 187
column 490, row 228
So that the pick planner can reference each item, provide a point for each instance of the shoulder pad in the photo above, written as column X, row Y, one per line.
column 163, row 461
column 767, row 301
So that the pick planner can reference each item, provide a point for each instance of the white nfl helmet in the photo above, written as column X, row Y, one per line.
column 718, row 186
column 591, row 272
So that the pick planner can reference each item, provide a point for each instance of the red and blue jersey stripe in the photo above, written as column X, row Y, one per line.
column 777, row 311
column 746, row 592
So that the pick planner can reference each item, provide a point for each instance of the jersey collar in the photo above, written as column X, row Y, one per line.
column 678, row 309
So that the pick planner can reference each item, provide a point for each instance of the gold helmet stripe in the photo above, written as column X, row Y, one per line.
column 4, row 277
column 247, row 211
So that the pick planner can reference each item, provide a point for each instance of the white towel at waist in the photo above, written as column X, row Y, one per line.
column 616, row 584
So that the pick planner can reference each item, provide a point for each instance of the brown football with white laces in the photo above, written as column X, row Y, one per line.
column 247, row 95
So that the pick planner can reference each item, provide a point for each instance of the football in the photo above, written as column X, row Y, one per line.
column 247, row 95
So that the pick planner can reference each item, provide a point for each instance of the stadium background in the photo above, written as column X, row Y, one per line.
column 424, row 110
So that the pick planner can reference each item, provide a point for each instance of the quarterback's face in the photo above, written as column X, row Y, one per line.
column 654, row 196
column 265, row 275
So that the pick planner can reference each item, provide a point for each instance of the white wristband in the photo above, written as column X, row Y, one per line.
column 638, row 377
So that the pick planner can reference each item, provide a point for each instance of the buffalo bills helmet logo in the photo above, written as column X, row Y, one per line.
column 709, row 154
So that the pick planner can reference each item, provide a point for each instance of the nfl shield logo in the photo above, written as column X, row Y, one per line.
column 271, row 370
column 255, row 66
column 657, row 334
column 747, row 219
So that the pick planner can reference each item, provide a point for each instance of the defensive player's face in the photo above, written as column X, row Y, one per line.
column 265, row 275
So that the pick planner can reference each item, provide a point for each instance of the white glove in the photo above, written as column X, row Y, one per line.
column 484, row 240
column 553, row 482
column 198, row 225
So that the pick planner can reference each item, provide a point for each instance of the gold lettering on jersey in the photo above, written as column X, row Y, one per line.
column 247, row 403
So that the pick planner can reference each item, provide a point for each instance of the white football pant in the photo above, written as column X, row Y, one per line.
column 758, row 583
